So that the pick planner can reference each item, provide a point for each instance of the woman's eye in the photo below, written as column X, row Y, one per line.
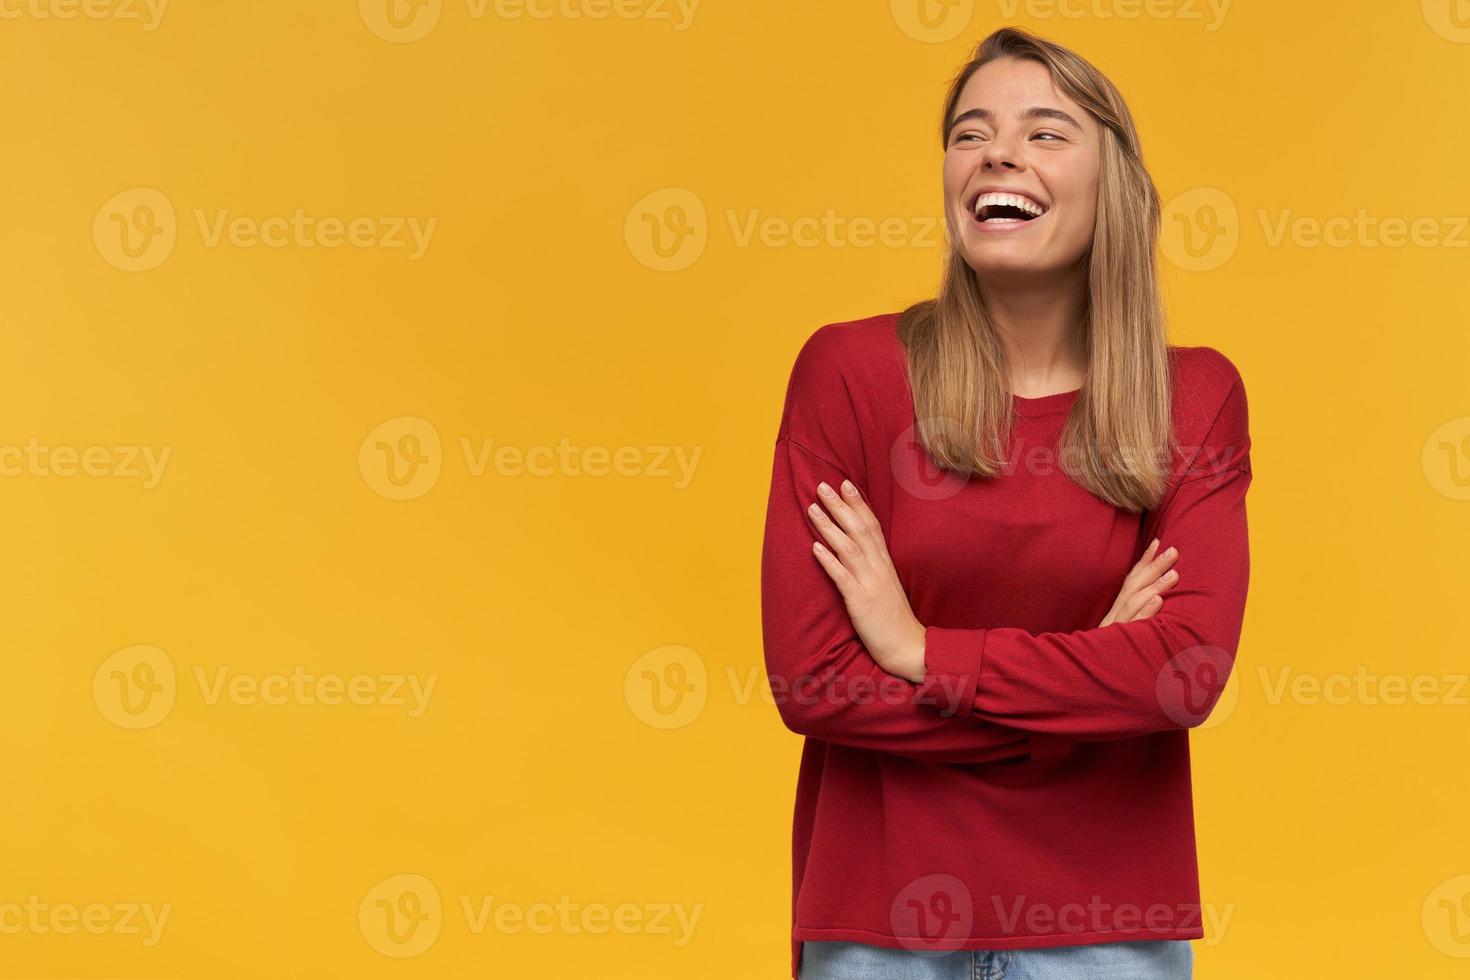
column 964, row 137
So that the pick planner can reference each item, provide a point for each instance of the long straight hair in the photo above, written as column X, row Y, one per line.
column 1116, row 439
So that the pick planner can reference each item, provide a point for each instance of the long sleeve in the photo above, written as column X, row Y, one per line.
column 826, row 684
column 1130, row 679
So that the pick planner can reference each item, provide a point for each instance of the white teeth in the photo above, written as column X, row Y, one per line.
column 1014, row 200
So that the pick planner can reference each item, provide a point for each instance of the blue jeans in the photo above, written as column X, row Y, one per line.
column 1148, row 959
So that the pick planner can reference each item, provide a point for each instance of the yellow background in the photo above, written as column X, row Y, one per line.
column 1332, row 834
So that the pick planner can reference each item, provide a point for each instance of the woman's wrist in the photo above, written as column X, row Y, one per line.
column 912, row 665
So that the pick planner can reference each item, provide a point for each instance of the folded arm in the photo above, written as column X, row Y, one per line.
column 825, row 682
column 1133, row 678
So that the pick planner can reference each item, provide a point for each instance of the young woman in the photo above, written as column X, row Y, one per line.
column 1004, row 570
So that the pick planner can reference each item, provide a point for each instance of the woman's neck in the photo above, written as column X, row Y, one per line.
column 1041, row 324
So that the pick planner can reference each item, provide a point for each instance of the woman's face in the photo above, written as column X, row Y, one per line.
column 1012, row 130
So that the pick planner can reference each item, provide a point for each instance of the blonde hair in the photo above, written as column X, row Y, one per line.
column 1112, row 440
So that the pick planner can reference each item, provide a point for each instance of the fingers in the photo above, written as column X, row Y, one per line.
column 834, row 569
column 864, row 515
column 1142, row 593
column 836, row 538
column 1144, row 602
column 854, row 517
column 1146, row 609
column 1153, row 564
column 840, row 565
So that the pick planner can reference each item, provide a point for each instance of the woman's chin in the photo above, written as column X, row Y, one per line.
column 1004, row 260
column 1015, row 257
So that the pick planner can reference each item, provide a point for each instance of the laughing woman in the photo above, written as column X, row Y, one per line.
column 1004, row 570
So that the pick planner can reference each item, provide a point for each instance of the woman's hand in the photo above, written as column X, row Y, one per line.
column 1143, row 589
column 856, row 559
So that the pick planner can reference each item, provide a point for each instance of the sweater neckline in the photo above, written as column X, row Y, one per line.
column 1028, row 408
column 1056, row 404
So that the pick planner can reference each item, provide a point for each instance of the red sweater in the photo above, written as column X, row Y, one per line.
column 1034, row 790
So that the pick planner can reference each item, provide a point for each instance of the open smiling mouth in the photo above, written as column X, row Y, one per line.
column 996, row 212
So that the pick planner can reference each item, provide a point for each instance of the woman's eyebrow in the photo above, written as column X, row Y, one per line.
column 1035, row 112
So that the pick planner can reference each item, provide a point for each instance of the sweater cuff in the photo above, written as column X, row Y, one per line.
column 952, row 659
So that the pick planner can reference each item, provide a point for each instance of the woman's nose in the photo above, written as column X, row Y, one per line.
column 1001, row 152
